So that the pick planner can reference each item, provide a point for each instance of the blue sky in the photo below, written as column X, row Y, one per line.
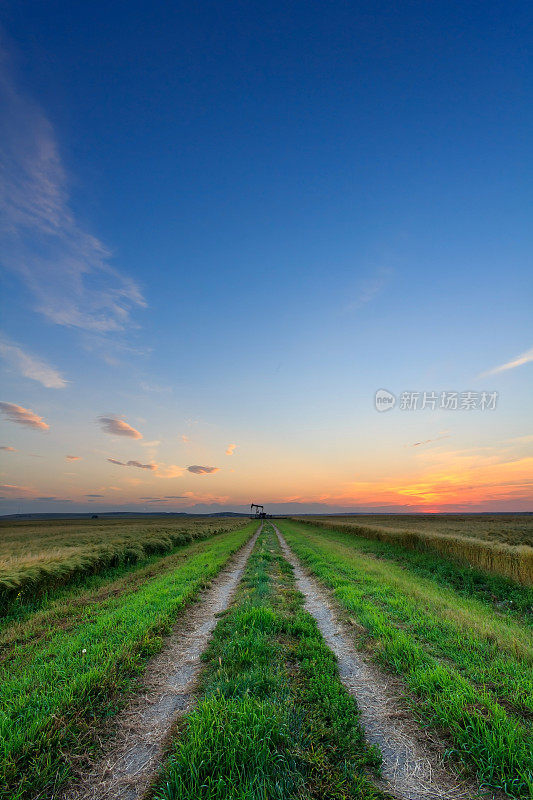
column 234, row 223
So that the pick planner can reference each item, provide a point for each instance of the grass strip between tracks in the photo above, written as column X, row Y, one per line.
column 462, row 672
column 274, row 720
column 52, row 704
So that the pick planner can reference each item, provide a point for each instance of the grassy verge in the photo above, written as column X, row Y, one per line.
column 51, row 703
column 466, row 666
column 508, row 560
column 24, row 633
column 38, row 558
column 500, row 594
column 274, row 720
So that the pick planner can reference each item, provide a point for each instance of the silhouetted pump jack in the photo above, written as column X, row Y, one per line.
column 259, row 511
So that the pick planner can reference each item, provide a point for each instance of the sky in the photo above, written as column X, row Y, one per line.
column 226, row 225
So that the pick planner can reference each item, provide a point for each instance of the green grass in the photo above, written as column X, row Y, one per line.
column 32, row 623
column 36, row 557
column 469, row 668
column 55, row 690
column 502, row 595
column 274, row 720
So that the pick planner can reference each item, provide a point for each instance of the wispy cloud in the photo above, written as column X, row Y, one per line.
column 8, row 448
column 73, row 458
column 368, row 289
column 95, row 495
column 527, row 439
column 154, row 387
column 428, row 441
column 23, row 416
column 199, row 470
column 169, row 471
column 118, row 427
column 31, row 366
column 230, row 449
column 132, row 464
column 65, row 267
column 519, row 361
column 13, row 489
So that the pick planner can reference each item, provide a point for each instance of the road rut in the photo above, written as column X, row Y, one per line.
column 133, row 754
column 412, row 766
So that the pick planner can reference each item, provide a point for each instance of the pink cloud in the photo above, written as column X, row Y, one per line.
column 13, row 489
column 169, row 471
column 8, row 448
column 23, row 416
column 231, row 449
column 73, row 458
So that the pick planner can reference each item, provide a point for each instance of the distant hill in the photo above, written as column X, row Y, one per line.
column 103, row 514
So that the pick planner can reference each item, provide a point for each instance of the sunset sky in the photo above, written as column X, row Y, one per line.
column 226, row 225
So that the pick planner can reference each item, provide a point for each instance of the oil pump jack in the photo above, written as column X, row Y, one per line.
column 259, row 511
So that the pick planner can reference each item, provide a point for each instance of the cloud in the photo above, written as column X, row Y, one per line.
column 23, row 416
column 427, row 441
column 527, row 439
column 369, row 288
column 64, row 266
column 117, row 427
column 185, row 439
column 13, row 488
column 73, row 458
column 8, row 448
column 230, row 450
column 169, row 471
column 519, row 361
column 132, row 464
column 174, row 497
column 31, row 366
column 95, row 495
column 154, row 387
column 198, row 470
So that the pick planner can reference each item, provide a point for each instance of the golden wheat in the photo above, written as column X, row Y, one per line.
column 511, row 561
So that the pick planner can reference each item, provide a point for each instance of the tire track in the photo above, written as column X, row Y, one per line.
column 413, row 766
column 133, row 754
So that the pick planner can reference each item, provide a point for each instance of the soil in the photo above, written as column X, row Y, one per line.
column 132, row 755
column 413, row 765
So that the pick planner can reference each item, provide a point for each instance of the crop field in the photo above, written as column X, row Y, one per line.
column 35, row 557
column 221, row 659
column 502, row 543
column 495, row 528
